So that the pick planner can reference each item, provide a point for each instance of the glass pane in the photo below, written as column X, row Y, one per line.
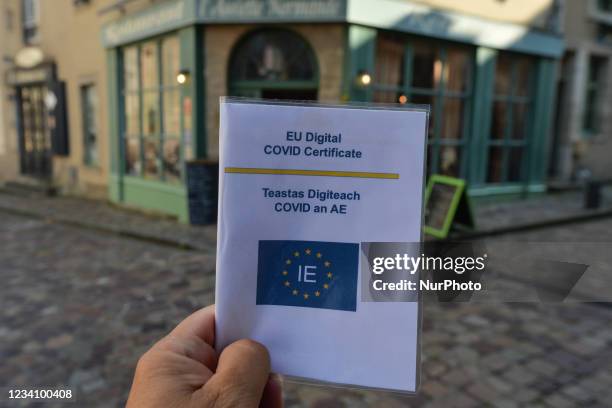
column 130, row 68
column 523, row 76
column 457, row 70
column 449, row 161
column 151, row 157
column 132, row 156
column 515, row 164
column 171, row 60
column 172, row 109
column 495, row 173
column 273, row 55
column 520, row 112
column 503, row 75
column 172, row 159
column 148, row 65
column 590, row 110
column 89, row 108
column 499, row 121
column 132, row 114
column 389, row 62
column 150, row 113
column 426, row 67
column 430, row 164
column 426, row 100
column 452, row 122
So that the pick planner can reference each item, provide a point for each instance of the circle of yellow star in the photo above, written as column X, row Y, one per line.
column 288, row 261
column 296, row 254
column 287, row 283
column 329, row 275
column 305, row 295
column 326, row 286
column 285, row 273
column 319, row 255
column 317, row 293
column 295, row 292
column 308, row 251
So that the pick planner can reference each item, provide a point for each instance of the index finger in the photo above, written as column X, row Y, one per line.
column 200, row 324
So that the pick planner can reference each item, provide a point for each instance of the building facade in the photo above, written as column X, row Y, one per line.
column 583, row 140
column 487, row 68
column 54, row 98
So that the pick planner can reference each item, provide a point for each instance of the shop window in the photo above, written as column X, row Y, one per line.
column 594, row 87
column 89, row 109
column 605, row 5
column 510, row 119
column 411, row 71
column 276, row 64
column 152, row 110
column 30, row 13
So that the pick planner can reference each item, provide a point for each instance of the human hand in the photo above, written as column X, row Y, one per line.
column 183, row 370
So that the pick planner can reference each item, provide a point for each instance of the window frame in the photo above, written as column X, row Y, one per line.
column 253, row 87
column 511, row 100
column 594, row 85
column 30, row 20
column 161, row 90
column 440, row 93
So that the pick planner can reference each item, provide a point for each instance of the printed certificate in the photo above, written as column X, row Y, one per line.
column 301, row 187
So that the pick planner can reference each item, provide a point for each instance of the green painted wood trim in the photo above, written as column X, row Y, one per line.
column 115, row 103
column 313, row 84
column 544, row 98
column 156, row 19
column 192, row 60
column 158, row 196
column 484, row 82
column 362, row 55
column 452, row 209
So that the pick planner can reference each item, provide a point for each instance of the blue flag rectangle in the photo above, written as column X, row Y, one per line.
column 308, row 274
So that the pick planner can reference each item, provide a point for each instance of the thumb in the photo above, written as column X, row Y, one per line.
column 240, row 378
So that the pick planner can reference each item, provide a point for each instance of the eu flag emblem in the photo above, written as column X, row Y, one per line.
column 308, row 274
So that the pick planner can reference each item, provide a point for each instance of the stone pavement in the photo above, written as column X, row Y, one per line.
column 78, row 307
column 493, row 215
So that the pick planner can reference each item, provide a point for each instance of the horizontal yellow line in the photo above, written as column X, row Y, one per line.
column 320, row 173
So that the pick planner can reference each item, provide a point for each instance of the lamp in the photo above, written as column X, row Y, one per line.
column 183, row 76
column 363, row 78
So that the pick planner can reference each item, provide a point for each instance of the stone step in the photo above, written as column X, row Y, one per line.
column 29, row 187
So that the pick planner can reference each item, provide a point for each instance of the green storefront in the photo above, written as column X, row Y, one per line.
column 491, row 95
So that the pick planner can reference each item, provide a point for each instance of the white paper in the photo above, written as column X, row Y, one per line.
column 374, row 346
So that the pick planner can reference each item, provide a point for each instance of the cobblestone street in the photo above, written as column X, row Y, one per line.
column 78, row 307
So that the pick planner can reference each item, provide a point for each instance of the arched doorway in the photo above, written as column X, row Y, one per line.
column 274, row 64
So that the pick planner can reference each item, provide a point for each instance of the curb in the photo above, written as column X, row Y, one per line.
column 533, row 225
column 107, row 230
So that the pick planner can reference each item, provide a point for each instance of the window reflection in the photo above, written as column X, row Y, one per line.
column 510, row 123
column 440, row 76
column 151, row 157
column 152, row 109
column 172, row 159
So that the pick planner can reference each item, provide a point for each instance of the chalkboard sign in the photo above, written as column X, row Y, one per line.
column 446, row 201
column 202, row 186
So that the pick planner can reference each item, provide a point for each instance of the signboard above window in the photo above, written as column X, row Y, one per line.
column 400, row 16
